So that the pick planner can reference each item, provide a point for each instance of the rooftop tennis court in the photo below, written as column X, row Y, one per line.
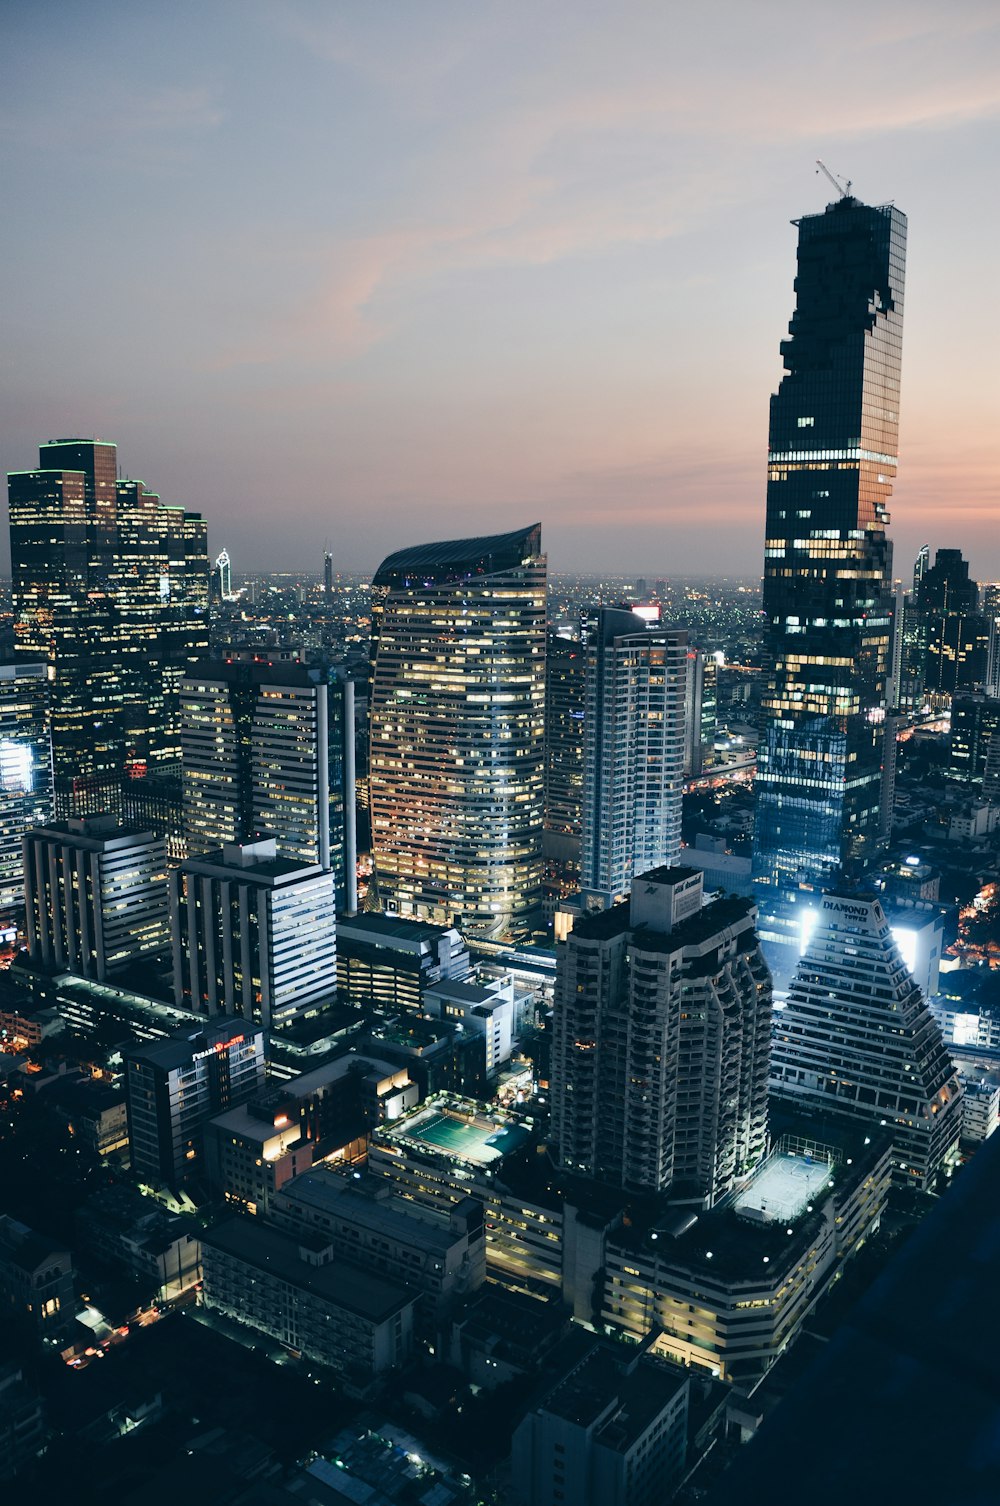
column 783, row 1187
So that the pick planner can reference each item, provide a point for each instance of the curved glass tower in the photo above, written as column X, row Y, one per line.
column 827, row 569
column 457, row 731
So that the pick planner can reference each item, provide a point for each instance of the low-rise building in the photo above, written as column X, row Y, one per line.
column 161, row 1250
column 36, row 1279
column 252, row 1151
column 482, row 1008
column 175, row 1086
column 612, row 1432
column 22, row 1422
column 439, row 1253
column 96, row 1112
column 730, row 1289
column 294, row 1289
column 386, row 962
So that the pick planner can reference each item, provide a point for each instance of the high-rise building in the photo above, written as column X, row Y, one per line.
column 662, row 1027
column 224, row 575
column 565, row 692
column 25, row 773
column 328, row 576
column 108, row 591
column 827, row 583
column 254, row 738
column 457, row 731
column 253, row 934
column 857, row 1039
column 700, row 711
column 958, row 640
column 95, row 896
column 633, row 751
column 173, row 1087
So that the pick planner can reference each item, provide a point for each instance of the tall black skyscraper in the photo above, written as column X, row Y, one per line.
column 109, row 591
column 827, row 573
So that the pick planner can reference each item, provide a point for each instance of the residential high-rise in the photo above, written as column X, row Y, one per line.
column 108, row 592
column 633, row 751
column 662, row 1033
column 95, row 896
column 25, row 773
column 857, row 1039
column 457, row 731
column 827, row 581
column 253, row 934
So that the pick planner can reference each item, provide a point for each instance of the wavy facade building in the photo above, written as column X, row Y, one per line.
column 458, row 731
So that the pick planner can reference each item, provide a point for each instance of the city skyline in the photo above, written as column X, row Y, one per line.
column 376, row 278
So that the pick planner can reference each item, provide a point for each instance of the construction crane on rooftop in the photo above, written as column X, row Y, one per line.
column 845, row 193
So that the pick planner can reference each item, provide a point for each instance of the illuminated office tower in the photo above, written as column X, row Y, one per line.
column 97, row 567
column 661, row 1041
column 328, row 576
column 827, row 580
column 856, row 1038
column 457, row 731
column 25, row 773
column 637, row 679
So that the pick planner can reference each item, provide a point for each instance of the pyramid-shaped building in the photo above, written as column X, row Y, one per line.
column 857, row 1038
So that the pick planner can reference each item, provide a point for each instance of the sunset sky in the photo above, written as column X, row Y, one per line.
column 372, row 272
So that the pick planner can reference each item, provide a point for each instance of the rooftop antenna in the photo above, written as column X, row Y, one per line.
column 845, row 193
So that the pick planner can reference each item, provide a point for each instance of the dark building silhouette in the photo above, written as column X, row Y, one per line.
column 827, row 577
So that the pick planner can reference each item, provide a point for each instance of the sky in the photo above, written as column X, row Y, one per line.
column 366, row 273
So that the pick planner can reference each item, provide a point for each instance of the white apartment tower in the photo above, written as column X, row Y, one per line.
column 857, row 1038
column 662, row 1029
column 253, row 934
column 633, row 752
column 95, row 896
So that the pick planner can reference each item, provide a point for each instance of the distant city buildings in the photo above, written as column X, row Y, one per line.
column 457, row 732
